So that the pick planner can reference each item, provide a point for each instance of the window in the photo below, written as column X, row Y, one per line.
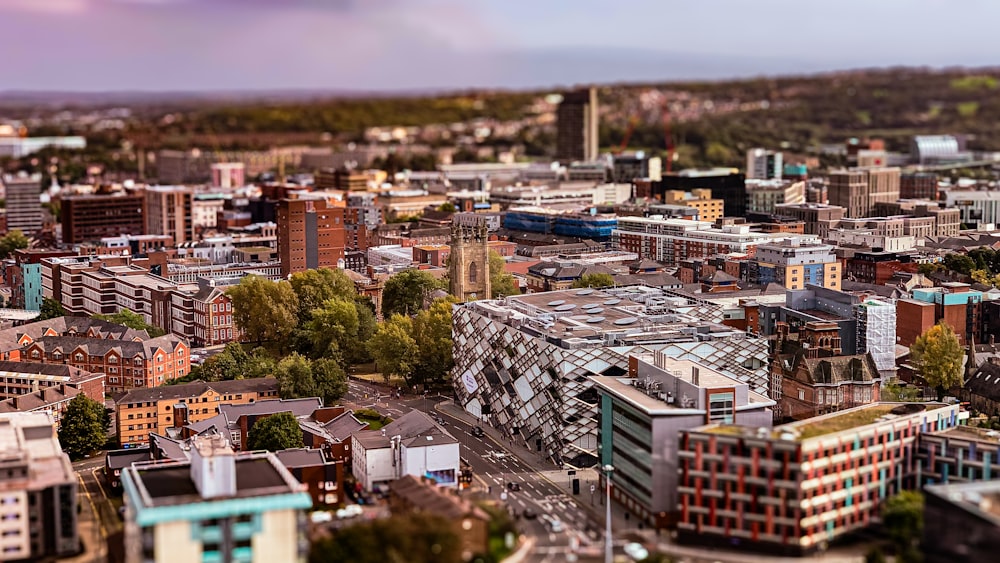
column 720, row 407
column 78, row 357
column 112, row 359
column 802, row 395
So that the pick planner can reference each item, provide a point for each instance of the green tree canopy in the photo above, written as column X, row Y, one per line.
column 502, row 284
column 275, row 433
column 404, row 293
column 51, row 309
column 13, row 240
column 315, row 287
column 331, row 380
column 393, row 348
column 332, row 328
column 410, row 538
column 937, row 355
column 234, row 363
column 595, row 280
column 432, row 334
column 132, row 320
column 265, row 311
column 903, row 518
column 295, row 377
column 83, row 427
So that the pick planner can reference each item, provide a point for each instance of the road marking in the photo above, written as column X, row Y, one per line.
column 93, row 508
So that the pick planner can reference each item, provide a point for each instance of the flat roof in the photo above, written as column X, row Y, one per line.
column 171, row 483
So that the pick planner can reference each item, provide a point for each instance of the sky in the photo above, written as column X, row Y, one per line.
column 399, row 45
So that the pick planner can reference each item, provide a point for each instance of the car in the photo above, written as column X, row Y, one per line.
column 529, row 514
column 555, row 525
column 513, row 486
column 477, row 432
column 320, row 517
column 636, row 551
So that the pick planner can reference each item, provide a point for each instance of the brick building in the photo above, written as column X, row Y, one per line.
column 311, row 234
column 89, row 218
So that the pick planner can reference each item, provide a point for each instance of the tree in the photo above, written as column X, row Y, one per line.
column 960, row 263
column 432, row 334
column 412, row 538
column 502, row 284
column 295, row 377
column 264, row 310
column 393, row 348
column 51, row 309
column 903, row 518
column 331, row 380
column 83, row 427
column 275, row 433
column 13, row 240
column 132, row 320
column 405, row 292
column 315, row 287
column 595, row 280
column 937, row 355
column 367, row 324
column 447, row 207
column 332, row 328
column 234, row 363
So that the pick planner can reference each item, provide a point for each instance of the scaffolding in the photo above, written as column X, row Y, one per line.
column 877, row 333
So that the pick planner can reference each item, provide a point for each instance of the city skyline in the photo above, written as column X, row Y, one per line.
column 187, row 45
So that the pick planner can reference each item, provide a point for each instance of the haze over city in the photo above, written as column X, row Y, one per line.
column 104, row 45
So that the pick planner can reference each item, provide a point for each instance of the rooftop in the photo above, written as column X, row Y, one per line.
column 197, row 388
column 981, row 498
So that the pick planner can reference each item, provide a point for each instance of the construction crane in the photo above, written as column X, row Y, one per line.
column 632, row 122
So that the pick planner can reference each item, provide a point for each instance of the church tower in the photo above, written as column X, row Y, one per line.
column 469, row 273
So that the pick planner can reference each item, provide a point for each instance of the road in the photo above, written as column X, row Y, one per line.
column 494, row 468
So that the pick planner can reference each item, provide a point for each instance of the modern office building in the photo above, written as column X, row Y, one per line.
column 219, row 506
column 727, row 184
column 793, row 265
column 977, row 207
column 919, row 185
column 413, row 444
column 709, row 209
column 798, row 487
column 631, row 165
column 89, row 218
column 569, row 223
column 168, row 212
column 311, row 234
column 764, row 195
column 954, row 303
column 858, row 190
column 39, row 490
column 763, row 164
column 24, row 206
column 641, row 418
column 577, row 120
column 523, row 364
column 814, row 215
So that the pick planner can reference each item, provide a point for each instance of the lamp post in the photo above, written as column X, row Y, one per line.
column 608, row 548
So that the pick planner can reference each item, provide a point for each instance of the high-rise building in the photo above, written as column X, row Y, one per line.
column 38, row 488
column 763, row 164
column 727, row 184
column 576, row 136
column 24, row 276
column 311, row 234
column 168, row 212
column 858, row 190
column 89, row 218
column 24, row 208
column 228, row 174
column 219, row 506
column 814, row 215
column 764, row 195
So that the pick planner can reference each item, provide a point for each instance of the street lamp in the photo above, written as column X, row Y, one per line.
column 608, row 549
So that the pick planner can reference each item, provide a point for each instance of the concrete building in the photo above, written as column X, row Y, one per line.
column 577, row 120
column 976, row 207
column 39, row 491
column 763, row 164
column 311, row 234
column 567, row 223
column 919, row 185
column 523, row 364
column 89, row 218
column 858, row 190
column 794, row 489
column 631, row 165
column 793, row 265
column 168, row 212
column 935, row 149
column 23, row 274
column 413, row 444
column 709, row 208
column 812, row 214
column 219, row 506
column 641, row 419
column 967, row 515
column 869, row 238
column 24, row 206
column 764, row 195
column 228, row 174
column 727, row 184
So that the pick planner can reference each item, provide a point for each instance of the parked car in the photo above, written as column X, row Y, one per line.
column 636, row 551
column 529, row 514
column 478, row 432
column 513, row 486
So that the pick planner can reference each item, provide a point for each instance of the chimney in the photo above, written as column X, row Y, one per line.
column 213, row 467
column 180, row 415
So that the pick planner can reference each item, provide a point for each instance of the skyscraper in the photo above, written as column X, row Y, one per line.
column 24, row 208
column 310, row 234
column 578, row 117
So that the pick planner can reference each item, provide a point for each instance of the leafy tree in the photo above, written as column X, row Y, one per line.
column 937, row 355
column 413, row 538
column 132, row 320
column 432, row 334
column 264, row 310
column 960, row 263
column 928, row 268
column 393, row 348
column 332, row 327
column 595, row 280
column 315, row 287
column 295, row 377
column 357, row 353
column 331, row 380
column 83, row 427
column 404, row 293
column 903, row 518
column 502, row 284
column 447, row 207
column 275, row 433
column 51, row 309
column 13, row 240
column 234, row 363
